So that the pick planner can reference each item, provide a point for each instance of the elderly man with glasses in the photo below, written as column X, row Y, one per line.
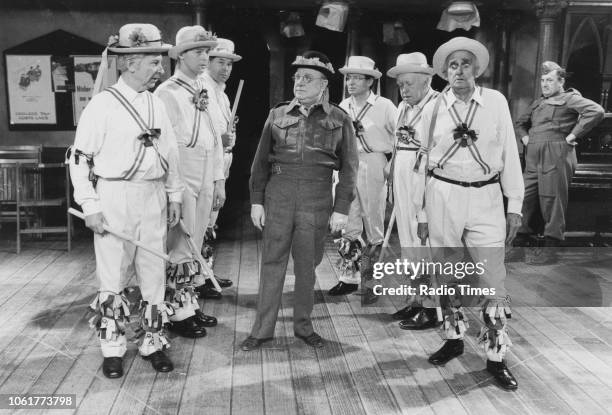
column 302, row 142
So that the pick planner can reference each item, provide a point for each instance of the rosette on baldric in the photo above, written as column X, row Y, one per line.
column 359, row 130
column 112, row 312
column 405, row 134
column 200, row 99
column 464, row 136
column 149, row 135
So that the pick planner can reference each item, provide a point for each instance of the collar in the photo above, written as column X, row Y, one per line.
column 209, row 78
column 372, row 97
column 127, row 91
column 476, row 96
column 181, row 75
column 295, row 103
column 422, row 102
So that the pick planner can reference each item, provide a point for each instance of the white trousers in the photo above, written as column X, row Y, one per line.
column 473, row 217
column 197, row 203
column 227, row 163
column 368, row 208
column 139, row 209
column 404, row 181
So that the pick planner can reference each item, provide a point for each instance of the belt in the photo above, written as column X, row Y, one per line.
column 494, row 179
column 407, row 148
column 315, row 173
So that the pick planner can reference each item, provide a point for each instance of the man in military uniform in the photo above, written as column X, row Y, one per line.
column 124, row 169
column 549, row 130
column 302, row 142
column 468, row 150
column 374, row 121
column 413, row 77
column 201, row 169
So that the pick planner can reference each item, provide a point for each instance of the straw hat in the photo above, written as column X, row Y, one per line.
column 460, row 43
column 191, row 37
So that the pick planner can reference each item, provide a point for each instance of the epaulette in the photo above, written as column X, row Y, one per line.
column 280, row 104
column 339, row 107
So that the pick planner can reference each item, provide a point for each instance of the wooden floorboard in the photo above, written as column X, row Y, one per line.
column 562, row 356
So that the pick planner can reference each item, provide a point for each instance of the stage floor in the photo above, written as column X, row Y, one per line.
column 562, row 357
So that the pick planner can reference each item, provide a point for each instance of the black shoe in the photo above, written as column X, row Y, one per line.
column 223, row 282
column 405, row 313
column 502, row 375
column 188, row 328
column 112, row 367
column 204, row 320
column 450, row 350
column 425, row 318
column 208, row 292
column 343, row 288
column 252, row 343
column 313, row 340
column 160, row 361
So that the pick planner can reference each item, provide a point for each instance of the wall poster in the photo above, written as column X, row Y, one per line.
column 30, row 91
column 85, row 71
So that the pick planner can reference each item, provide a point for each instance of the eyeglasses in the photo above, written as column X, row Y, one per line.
column 355, row 77
column 306, row 78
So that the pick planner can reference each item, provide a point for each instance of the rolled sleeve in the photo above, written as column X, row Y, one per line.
column 173, row 184
column 88, row 140
column 511, row 176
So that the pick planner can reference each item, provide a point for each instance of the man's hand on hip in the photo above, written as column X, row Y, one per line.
column 338, row 222
column 513, row 224
column 258, row 216
column 95, row 222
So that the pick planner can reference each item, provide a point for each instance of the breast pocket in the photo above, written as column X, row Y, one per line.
column 286, row 131
column 328, row 135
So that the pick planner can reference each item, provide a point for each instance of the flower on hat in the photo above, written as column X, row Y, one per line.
column 137, row 38
column 314, row 61
column 200, row 99
column 204, row 37
column 112, row 40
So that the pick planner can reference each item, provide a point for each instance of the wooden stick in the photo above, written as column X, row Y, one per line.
column 235, row 107
column 123, row 236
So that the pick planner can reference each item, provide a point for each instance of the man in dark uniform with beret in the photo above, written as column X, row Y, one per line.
column 302, row 142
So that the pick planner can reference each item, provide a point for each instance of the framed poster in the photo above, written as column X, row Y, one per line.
column 85, row 71
column 30, row 91
column 62, row 74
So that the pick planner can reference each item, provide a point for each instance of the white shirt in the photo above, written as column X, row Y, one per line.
column 411, row 114
column 182, row 113
column 221, row 110
column 109, row 133
column 495, row 148
column 378, row 122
